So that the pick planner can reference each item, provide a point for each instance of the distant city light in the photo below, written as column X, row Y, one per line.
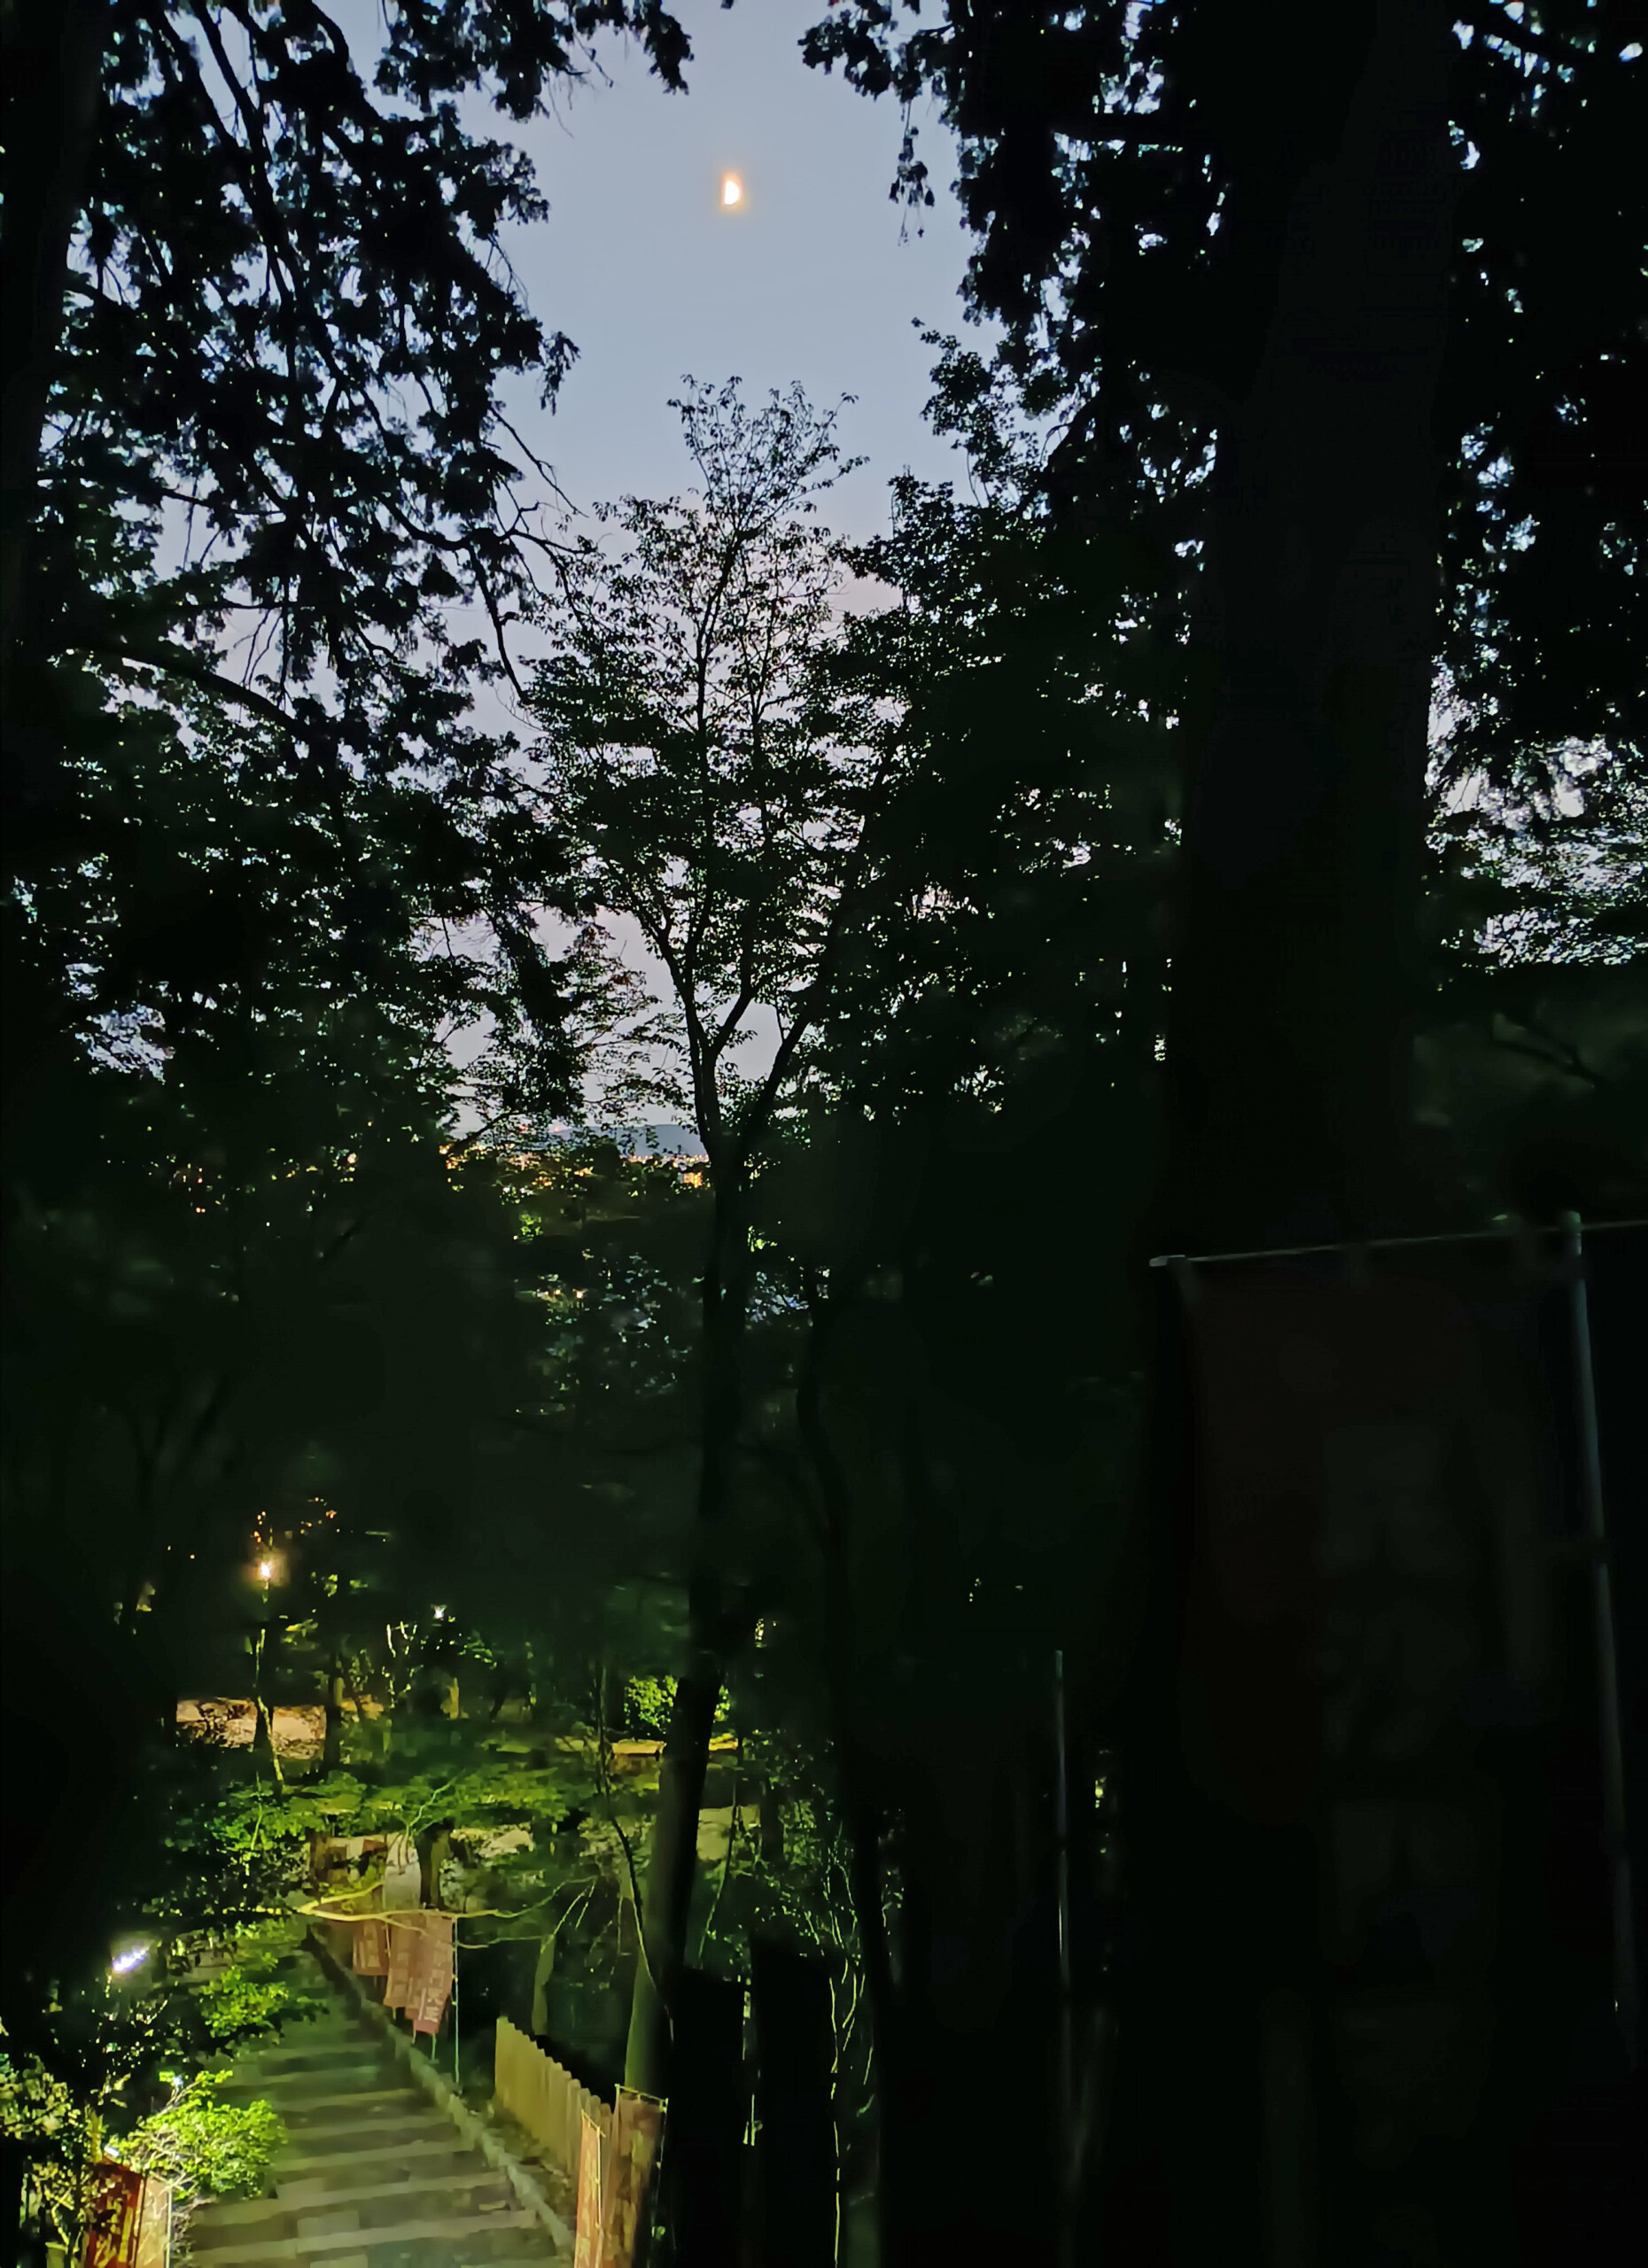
column 440, row 1614
column 123, row 1963
column 266, row 1568
column 732, row 190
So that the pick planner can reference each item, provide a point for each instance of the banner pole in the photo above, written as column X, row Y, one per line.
column 1067, row 2151
column 1625, row 1988
column 1511, row 1230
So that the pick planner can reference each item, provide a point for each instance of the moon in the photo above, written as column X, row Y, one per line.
column 732, row 190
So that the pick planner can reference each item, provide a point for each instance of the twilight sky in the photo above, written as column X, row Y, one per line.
column 639, row 263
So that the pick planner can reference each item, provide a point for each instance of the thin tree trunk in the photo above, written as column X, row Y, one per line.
column 434, row 1848
column 770, row 1818
column 263, row 1750
column 672, row 1866
column 30, row 2245
column 53, row 53
column 713, row 1632
column 142, row 1540
column 376, row 1740
column 332, row 1748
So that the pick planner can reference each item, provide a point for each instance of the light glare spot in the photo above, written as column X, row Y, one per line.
column 732, row 190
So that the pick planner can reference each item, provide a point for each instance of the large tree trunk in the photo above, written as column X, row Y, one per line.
column 1293, row 976
column 52, row 54
column 973, row 2013
column 712, row 1634
column 959, row 2012
column 860, row 1812
column 1288, row 1044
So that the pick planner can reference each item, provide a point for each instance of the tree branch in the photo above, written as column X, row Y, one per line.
column 175, row 663
column 1523, row 37
column 1555, row 1054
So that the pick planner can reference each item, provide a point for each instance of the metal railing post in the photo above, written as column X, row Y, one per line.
column 1624, row 1947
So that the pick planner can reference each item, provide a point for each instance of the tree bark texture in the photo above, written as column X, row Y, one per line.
column 672, row 1846
column 1288, row 1044
column 331, row 1748
column 860, row 1813
column 1293, row 970
column 264, row 1753
column 975, row 2030
column 672, row 1865
column 53, row 62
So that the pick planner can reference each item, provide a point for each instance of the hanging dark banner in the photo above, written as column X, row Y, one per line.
column 1368, row 1576
column 1386, row 1694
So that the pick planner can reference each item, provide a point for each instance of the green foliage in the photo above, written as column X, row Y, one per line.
column 35, row 2106
column 648, row 1700
column 244, row 264
column 1034, row 674
column 703, row 773
column 1134, row 273
column 1534, row 1061
column 48, row 2125
column 249, row 1997
column 647, row 1704
column 206, row 2147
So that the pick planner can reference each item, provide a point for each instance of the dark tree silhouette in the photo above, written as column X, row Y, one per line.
column 1355, row 305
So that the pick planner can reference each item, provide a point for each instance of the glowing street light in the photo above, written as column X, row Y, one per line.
column 123, row 1963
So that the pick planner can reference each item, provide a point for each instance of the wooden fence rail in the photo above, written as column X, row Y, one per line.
column 547, row 2101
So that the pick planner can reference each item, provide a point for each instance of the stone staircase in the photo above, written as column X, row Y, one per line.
column 373, row 2174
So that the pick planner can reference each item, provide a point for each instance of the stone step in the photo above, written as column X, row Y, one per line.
column 297, row 2054
column 311, row 2193
column 375, row 2086
column 319, row 2078
column 482, row 2192
column 327, row 2164
column 371, row 2174
column 359, row 2055
column 296, row 2047
column 290, row 2102
column 393, row 2123
column 476, row 2189
column 469, row 2232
